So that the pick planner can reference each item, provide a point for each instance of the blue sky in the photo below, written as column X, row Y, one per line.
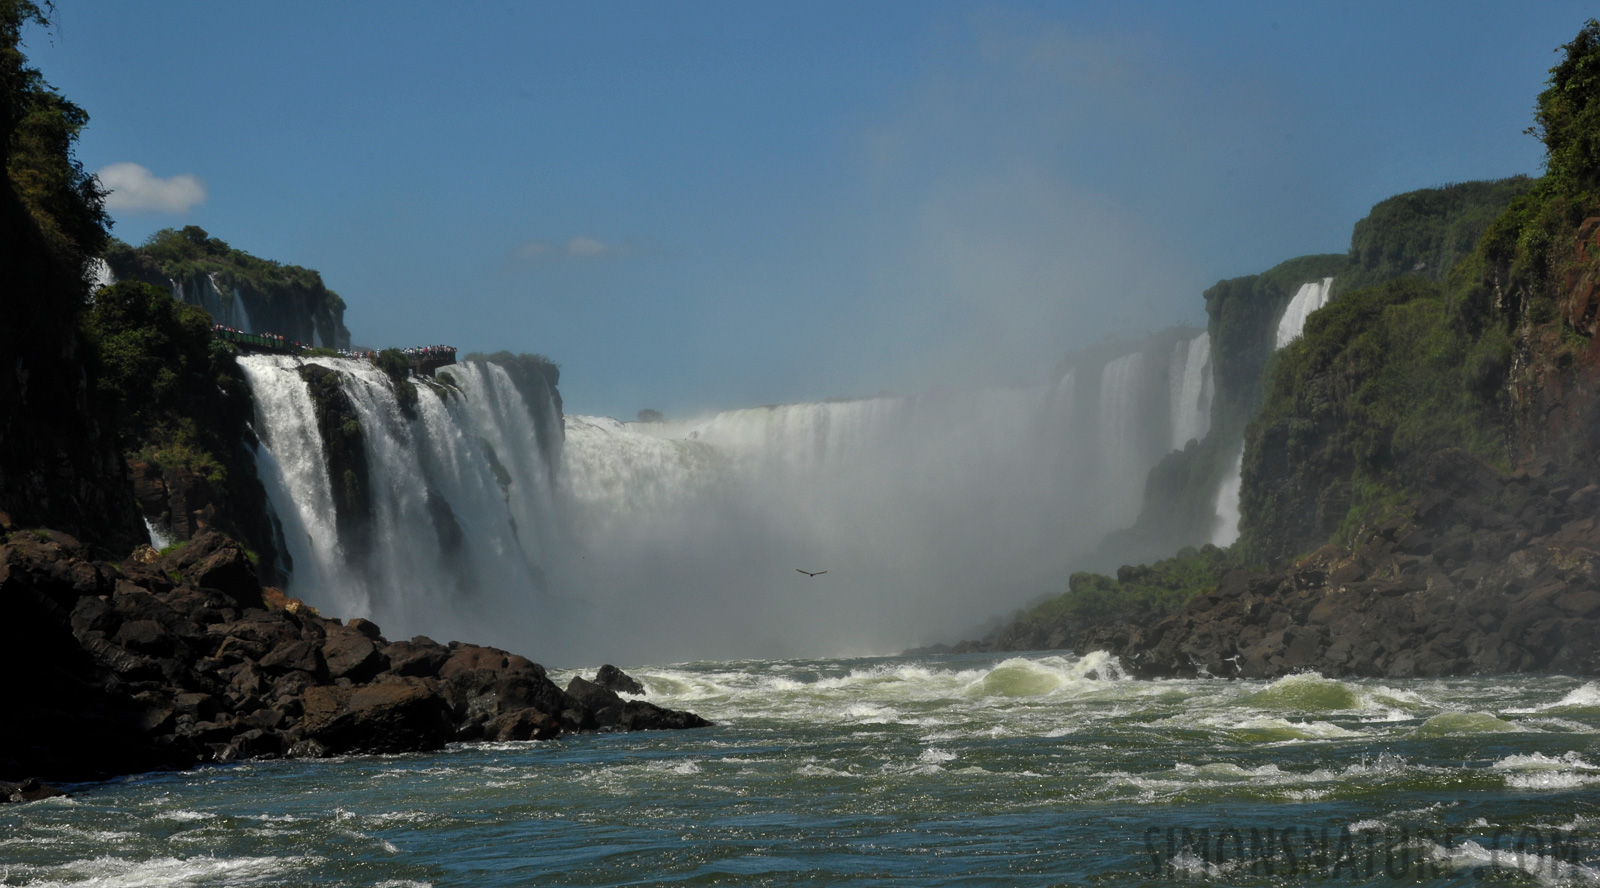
column 706, row 205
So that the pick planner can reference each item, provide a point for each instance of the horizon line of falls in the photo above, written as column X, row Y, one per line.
column 1311, row 296
column 649, row 542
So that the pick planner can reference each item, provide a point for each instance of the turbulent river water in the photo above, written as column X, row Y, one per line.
column 973, row 770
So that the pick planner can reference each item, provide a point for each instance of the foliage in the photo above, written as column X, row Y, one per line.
column 1568, row 118
column 397, row 366
column 1142, row 592
column 176, row 393
column 1426, row 232
column 39, row 129
column 191, row 252
column 1379, row 381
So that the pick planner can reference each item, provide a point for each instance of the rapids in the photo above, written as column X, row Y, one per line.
column 1027, row 770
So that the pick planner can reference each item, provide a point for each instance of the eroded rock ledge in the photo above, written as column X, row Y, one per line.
column 1486, row 574
column 166, row 661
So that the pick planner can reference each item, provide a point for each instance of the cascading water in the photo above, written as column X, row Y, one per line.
column 445, row 552
column 1191, row 390
column 660, row 540
column 1310, row 297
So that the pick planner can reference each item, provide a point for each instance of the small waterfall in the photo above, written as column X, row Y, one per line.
column 1120, row 382
column 1191, row 390
column 240, row 315
column 159, row 537
column 1310, row 297
column 99, row 275
column 1227, row 526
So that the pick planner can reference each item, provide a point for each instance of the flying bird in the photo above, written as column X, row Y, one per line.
column 810, row 574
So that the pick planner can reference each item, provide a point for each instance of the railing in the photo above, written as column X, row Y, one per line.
column 423, row 359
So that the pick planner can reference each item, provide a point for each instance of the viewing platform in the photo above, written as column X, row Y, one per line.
column 423, row 360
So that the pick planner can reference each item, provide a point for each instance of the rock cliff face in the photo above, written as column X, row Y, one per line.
column 1486, row 573
column 236, row 288
column 164, row 661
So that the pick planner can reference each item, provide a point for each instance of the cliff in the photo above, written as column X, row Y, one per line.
column 59, row 466
column 235, row 288
column 1431, row 443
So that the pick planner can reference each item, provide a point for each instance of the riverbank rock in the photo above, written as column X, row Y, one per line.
column 613, row 679
column 185, row 658
column 1487, row 573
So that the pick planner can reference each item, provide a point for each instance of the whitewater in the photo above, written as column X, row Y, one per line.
column 664, row 540
column 1034, row 769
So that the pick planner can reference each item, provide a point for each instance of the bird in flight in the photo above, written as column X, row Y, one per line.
column 810, row 574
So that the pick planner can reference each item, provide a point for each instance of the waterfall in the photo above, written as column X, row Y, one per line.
column 655, row 540
column 1227, row 525
column 1310, row 297
column 99, row 275
column 1119, row 386
column 458, row 497
column 1191, row 390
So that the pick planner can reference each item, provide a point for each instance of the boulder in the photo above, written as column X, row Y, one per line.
column 399, row 715
column 523, row 724
column 350, row 654
column 613, row 679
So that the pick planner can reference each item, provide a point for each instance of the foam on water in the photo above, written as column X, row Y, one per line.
column 1451, row 723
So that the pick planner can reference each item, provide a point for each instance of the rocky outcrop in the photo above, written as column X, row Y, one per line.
column 343, row 443
column 613, row 679
column 168, row 660
column 1487, row 573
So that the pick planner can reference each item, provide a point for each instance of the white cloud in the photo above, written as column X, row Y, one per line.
column 136, row 189
column 577, row 249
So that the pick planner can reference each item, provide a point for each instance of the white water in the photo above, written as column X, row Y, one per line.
column 1191, row 388
column 1227, row 527
column 1310, row 297
column 99, row 275
column 659, row 540
column 160, row 538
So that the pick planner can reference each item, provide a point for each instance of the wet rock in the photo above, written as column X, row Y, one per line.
column 29, row 790
column 403, row 715
column 420, row 657
column 613, row 679
column 523, row 724
column 351, row 655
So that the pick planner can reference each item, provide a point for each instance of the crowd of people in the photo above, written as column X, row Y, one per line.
column 445, row 353
column 432, row 351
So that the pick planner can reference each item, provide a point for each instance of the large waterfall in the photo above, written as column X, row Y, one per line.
column 651, row 541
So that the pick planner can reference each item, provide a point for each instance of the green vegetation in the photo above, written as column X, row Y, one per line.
column 285, row 299
column 38, row 131
column 395, row 365
column 1137, row 593
column 171, row 385
column 1426, row 233
column 1389, row 374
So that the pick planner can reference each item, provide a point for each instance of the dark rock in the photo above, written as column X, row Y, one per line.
column 351, row 655
column 366, row 628
column 29, row 790
column 601, row 706
column 402, row 715
column 419, row 657
column 522, row 724
column 613, row 679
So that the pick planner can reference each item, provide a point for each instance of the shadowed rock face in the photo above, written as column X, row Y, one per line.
column 165, row 661
column 1487, row 573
